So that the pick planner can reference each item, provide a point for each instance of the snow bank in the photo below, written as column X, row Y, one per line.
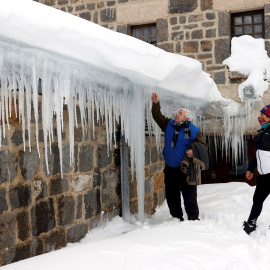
column 249, row 57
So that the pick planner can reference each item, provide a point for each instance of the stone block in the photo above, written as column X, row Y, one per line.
column 85, row 15
column 79, row 207
column 176, row 28
column 70, row 9
column 210, row 33
column 195, row 18
column 100, row 4
column 183, row 6
column 23, row 228
column 49, row 2
column 182, row 19
column 190, row 26
column 7, row 231
column 219, row 77
column 266, row 8
column 19, row 253
column 40, row 189
column 8, row 165
column 79, row 8
column 103, row 159
column 37, row 247
column 55, row 240
column 190, row 46
column 210, row 16
column 3, row 201
column 168, row 47
column 80, row 182
column 204, row 56
column 17, row 137
column 58, row 186
column 206, row 4
column 95, row 17
column 162, row 30
column 206, row 45
column 149, row 185
column 76, row 233
column 122, row 1
column 208, row 24
column 76, row 158
column 42, row 217
column 110, row 189
column 122, row 29
column 86, row 158
column 148, row 205
column 178, row 48
column 92, row 203
column 179, row 35
column 91, row 6
column 154, row 155
column 147, row 156
column 224, row 28
column 110, row 3
column 197, row 34
column 173, row 20
column 222, row 50
column 20, row 196
column 267, row 47
column 54, row 160
column 66, row 210
column 96, row 179
column 108, row 15
column 267, row 26
column 29, row 163
column 62, row 2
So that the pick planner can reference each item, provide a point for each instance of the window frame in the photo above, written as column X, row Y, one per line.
column 142, row 37
column 248, row 13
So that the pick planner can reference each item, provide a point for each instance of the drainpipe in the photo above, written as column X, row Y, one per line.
column 124, row 179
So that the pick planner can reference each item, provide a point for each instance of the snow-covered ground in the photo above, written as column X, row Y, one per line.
column 217, row 241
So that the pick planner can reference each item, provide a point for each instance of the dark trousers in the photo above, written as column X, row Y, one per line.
column 261, row 193
column 175, row 182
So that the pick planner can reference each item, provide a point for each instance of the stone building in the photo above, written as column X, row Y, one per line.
column 40, row 212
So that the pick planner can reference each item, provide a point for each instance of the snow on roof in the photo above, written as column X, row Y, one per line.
column 43, row 27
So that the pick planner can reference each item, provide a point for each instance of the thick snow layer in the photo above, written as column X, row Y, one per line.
column 249, row 57
column 44, row 27
column 217, row 241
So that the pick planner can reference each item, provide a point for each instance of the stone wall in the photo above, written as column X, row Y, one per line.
column 41, row 212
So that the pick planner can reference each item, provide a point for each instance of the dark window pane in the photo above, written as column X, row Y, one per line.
column 257, row 18
column 238, row 21
column 238, row 30
column 258, row 36
column 145, row 39
column 248, row 19
column 153, row 31
column 247, row 30
column 258, row 28
column 145, row 32
column 136, row 32
column 153, row 40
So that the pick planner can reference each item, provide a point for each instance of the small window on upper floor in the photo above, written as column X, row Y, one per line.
column 248, row 23
column 146, row 32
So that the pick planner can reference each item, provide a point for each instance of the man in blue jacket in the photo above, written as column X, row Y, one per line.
column 178, row 134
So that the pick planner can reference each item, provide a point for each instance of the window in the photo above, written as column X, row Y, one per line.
column 248, row 23
column 147, row 33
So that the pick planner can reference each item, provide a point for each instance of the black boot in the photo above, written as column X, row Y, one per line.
column 249, row 227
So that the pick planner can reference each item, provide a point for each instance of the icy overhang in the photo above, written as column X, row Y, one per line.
column 48, row 29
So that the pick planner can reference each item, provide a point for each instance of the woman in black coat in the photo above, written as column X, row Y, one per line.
column 262, row 162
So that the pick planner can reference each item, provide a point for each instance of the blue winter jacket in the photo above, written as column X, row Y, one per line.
column 174, row 155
